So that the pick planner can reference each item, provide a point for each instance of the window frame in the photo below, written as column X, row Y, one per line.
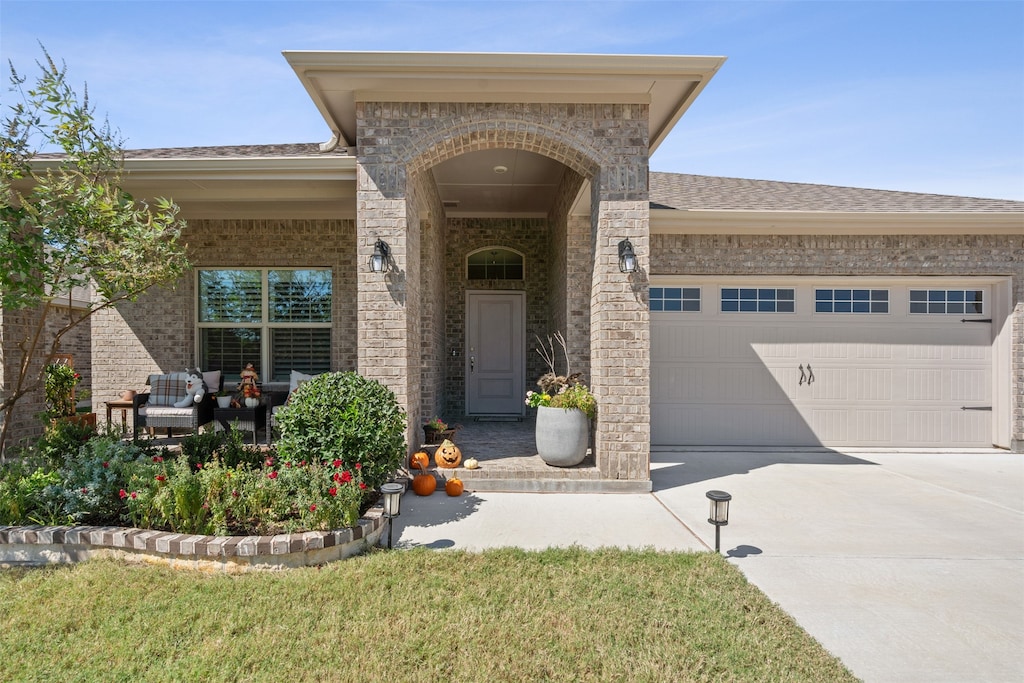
column 928, row 301
column 264, row 327
column 495, row 247
column 683, row 299
column 870, row 301
column 758, row 300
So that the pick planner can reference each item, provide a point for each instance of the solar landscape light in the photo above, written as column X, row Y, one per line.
column 392, row 494
column 719, row 514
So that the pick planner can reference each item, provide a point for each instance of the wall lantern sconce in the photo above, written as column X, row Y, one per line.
column 627, row 258
column 719, row 515
column 379, row 261
column 392, row 494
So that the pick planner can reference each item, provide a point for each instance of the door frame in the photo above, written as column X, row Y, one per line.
column 470, row 293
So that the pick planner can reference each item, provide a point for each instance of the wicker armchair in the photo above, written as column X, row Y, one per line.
column 155, row 409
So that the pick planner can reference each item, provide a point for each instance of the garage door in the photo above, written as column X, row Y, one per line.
column 803, row 363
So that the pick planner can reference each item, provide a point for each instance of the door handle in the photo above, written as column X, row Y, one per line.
column 810, row 374
column 472, row 363
column 803, row 377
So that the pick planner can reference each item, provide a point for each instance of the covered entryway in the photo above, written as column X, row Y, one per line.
column 802, row 362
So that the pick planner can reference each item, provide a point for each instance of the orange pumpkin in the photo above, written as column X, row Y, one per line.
column 424, row 484
column 453, row 487
column 419, row 460
column 447, row 454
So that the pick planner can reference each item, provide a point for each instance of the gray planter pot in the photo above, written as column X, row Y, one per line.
column 562, row 436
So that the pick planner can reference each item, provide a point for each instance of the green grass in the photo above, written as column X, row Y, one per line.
column 503, row 615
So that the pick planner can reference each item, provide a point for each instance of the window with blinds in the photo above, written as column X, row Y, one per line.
column 277, row 319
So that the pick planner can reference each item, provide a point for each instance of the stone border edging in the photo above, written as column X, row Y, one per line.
column 42, row 545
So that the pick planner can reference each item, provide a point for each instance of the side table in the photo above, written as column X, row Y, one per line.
column 124, row 407
column 246, row 419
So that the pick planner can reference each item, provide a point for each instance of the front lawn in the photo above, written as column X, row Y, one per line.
column 421, row 615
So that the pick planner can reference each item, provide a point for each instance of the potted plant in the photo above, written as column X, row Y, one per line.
column 565, row 406
column 437, row 430
column 223, row 399
column 59, row 388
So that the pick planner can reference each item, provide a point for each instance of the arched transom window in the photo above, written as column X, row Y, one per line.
column 495, row 263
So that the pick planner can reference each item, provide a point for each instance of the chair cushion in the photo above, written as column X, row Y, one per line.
column 165, row 390
column 212, row 379
column 168, row 411
column 298, row 378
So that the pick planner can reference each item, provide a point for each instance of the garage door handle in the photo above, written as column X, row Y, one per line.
column 810, row 374
column 803, row 377
column 985, row 408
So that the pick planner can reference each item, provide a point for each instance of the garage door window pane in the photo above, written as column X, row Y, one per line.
column 675, row 299
column 761, row 300
column 851, row 301
column 947, row 301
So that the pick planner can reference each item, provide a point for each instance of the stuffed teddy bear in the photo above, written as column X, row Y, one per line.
column 195, row 388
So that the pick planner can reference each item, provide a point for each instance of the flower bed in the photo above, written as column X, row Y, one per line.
column 41, row 545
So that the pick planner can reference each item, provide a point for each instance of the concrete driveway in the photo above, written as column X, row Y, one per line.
column 908, row 566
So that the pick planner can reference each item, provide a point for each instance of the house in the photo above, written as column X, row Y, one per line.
column 500, row 189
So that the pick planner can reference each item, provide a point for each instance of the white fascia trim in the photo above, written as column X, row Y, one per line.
column 701, row 222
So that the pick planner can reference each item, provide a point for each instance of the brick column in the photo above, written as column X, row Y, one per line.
column 620, row 339
column 388, row 304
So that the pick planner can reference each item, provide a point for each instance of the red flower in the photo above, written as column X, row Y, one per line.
column 333, row 490
column 287, row 464
column 157, row 458
column 359, row 465
column 362, row 485
column 346, row 477
column 134, row 495
column 199, row 465
column 123, row 494
column 85, row 490
column 105, row 465
column 272, row 475
column 336, row 477
column 269, row 462
column 302, row 464
column 312, row 508
column 337, row 464
column 234, row 494
column 161, row 477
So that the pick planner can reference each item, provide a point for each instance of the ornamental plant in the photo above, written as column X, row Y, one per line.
column 346, row 417
column 61, row 380
column 437, row 425
column 561, row 391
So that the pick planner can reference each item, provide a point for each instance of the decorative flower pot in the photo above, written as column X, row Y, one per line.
column 432, row 436
column 251, row 402
column 562, row 436
column 223, row 401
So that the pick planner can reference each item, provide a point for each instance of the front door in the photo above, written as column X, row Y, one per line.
column 495, row 348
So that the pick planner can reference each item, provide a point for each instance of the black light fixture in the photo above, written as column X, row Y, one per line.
column 392, row 494
column 627, row 258
column 719, row 514
column 379, row 262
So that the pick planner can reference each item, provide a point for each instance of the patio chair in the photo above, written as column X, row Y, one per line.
column 156, row 409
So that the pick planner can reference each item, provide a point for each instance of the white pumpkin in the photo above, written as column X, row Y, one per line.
column 470, row 463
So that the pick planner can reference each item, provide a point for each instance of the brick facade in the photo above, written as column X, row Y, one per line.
column 863, row 255
column 157, row 333
column 607, row 144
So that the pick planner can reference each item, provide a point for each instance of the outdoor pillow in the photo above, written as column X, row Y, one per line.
column 165, row 390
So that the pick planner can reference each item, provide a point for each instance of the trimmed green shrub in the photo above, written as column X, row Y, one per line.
column 344, row 416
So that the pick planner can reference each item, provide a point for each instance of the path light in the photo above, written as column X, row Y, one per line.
column 392, row 494
column 627, row 257
column 719, row 515
column 379, row 259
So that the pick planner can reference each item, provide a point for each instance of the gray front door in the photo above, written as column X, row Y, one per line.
column 495, row 347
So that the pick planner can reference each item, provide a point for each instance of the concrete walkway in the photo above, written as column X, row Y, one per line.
column 908, row 566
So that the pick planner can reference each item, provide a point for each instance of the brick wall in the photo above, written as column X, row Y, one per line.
column 896, row 255
column 16, row 326
column 157, row 333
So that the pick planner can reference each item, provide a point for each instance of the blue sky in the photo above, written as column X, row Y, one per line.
column 915, row 96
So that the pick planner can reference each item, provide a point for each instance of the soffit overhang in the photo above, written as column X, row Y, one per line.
column 321, row 186
column 337, row 80
column 717, row 222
